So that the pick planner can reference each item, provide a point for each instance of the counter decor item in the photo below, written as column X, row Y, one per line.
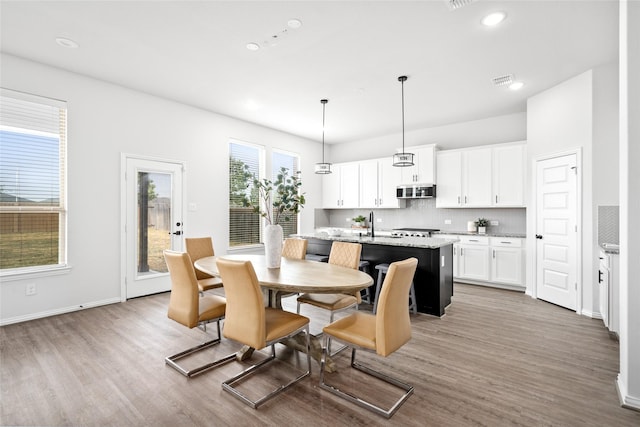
column 471, row 227
column 275, row 201
column 360, row 221
column 482, row 225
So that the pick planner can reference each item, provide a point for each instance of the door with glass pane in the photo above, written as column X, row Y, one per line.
column 153, row 223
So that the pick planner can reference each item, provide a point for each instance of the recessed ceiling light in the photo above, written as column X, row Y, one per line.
column 493, row 19
column 516, row 85
column 65, row 42
column 253, row 46
column 294, row 23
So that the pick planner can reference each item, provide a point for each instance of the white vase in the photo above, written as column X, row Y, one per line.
column 273, row 245
column 482, row 230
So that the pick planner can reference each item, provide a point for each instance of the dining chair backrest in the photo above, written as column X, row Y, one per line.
column 345, row 254
column 294, row 248
column 183, row 301
column 393, row 326
column 199, row 247
column 245, row 313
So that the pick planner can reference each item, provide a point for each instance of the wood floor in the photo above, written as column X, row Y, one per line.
column 497, row 358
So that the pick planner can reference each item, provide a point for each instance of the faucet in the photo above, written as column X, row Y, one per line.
column 373, row 234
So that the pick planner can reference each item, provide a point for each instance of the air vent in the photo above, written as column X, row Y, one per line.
column 505, row 80
column 457, row 4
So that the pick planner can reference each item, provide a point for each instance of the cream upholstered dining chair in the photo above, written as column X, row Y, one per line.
column 344, row 254
column 382, row 333
column 249, row 322
column 190, row 310
column 200, row 247
column 294, row 248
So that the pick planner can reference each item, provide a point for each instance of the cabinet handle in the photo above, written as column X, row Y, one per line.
column 454, row 250
column 494, row 253
column 461, row 251
column 465, row 200
column 458, row 199
column 599, row 276
column 474, row 240
column 496, row 198
column 506, row 243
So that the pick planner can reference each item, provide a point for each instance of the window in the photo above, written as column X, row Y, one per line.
column 32, row 182
column 246, row 161
column 289, row 161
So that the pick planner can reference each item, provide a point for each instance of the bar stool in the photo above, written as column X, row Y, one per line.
column 365, row 294
column 315, row 257
column 382, row 270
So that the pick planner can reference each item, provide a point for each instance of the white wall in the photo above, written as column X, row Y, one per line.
column 105, row 120
column 628, row 382
column 493, row 130
column 563, row 118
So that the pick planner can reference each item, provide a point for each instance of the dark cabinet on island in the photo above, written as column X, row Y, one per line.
column 433, row 280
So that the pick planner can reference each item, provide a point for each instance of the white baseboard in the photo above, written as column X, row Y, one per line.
column 55, row 312
column 626, row 401
column 592, row 314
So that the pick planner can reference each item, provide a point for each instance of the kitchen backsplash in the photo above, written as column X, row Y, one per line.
column 608, row 224
column 422, row 213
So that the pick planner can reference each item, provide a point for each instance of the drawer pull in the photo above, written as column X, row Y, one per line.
column 508, row 243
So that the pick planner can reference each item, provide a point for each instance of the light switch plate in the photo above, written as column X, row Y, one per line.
column 447, row 221
column 378, row 219
column 494, row 222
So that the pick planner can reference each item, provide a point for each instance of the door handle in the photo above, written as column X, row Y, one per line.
column 177, row 233
column 538, row 236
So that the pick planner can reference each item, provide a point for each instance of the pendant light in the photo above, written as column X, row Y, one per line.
column 402, row 159
column 323, row 168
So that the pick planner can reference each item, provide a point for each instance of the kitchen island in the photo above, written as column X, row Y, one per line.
column 434, row 275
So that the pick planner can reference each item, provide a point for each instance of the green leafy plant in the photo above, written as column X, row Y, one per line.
column 285, row 194
column 482, row 222
column 359, row 219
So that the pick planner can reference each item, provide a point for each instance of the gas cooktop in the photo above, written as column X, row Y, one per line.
column 413, row 232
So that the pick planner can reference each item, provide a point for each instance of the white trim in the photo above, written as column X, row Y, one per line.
column 533, row 209
column 39, row 99
column 626, row 401
column 58, row 311
column 25, row 273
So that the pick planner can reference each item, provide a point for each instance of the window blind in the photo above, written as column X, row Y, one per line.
column 32, row 180
column 289, row 161
column 245, row 163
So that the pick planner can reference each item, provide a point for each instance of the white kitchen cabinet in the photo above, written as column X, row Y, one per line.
column 508, row 175
column 489, row 261
column 491, row 176
column 464, row 178
column 340, row 189
column 473, row 258
column 506, row 260
column 476, row 177
column 424, row 168
column 378, row 182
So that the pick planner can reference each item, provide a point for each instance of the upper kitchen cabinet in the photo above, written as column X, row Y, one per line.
column 340, row 189
column 508, row 175
column 491, row 176
column 378, row 182
column 424, row 168
column 464, row 178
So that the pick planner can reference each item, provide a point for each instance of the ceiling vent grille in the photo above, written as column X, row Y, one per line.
column 505, row 80
column 457, row 4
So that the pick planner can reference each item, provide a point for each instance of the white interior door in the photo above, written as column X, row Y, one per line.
column 153, row 223
column 556, row 230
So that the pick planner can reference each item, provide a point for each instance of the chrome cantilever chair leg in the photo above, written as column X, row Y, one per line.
column 227, row 385
column 388, row 413
column 171, row 360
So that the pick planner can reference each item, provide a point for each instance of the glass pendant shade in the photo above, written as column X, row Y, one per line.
column 323, row 168
column 402, row 159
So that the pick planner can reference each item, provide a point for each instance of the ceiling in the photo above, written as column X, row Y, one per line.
column 350, row 52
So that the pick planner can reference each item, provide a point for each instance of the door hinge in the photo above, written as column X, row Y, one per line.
column 575, row 228
column 575, row 286
column 575, row 169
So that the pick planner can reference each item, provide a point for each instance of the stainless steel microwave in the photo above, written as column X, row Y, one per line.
column 416, row 191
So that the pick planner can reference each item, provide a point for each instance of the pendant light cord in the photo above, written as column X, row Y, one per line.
column 324, row 104
column 402, row 83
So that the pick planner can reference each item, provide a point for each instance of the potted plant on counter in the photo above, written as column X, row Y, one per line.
column 360, row 221
column 482, row 225
column 276, row 201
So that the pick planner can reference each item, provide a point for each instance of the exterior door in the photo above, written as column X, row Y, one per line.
column 153, row 223
column 556, row 230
